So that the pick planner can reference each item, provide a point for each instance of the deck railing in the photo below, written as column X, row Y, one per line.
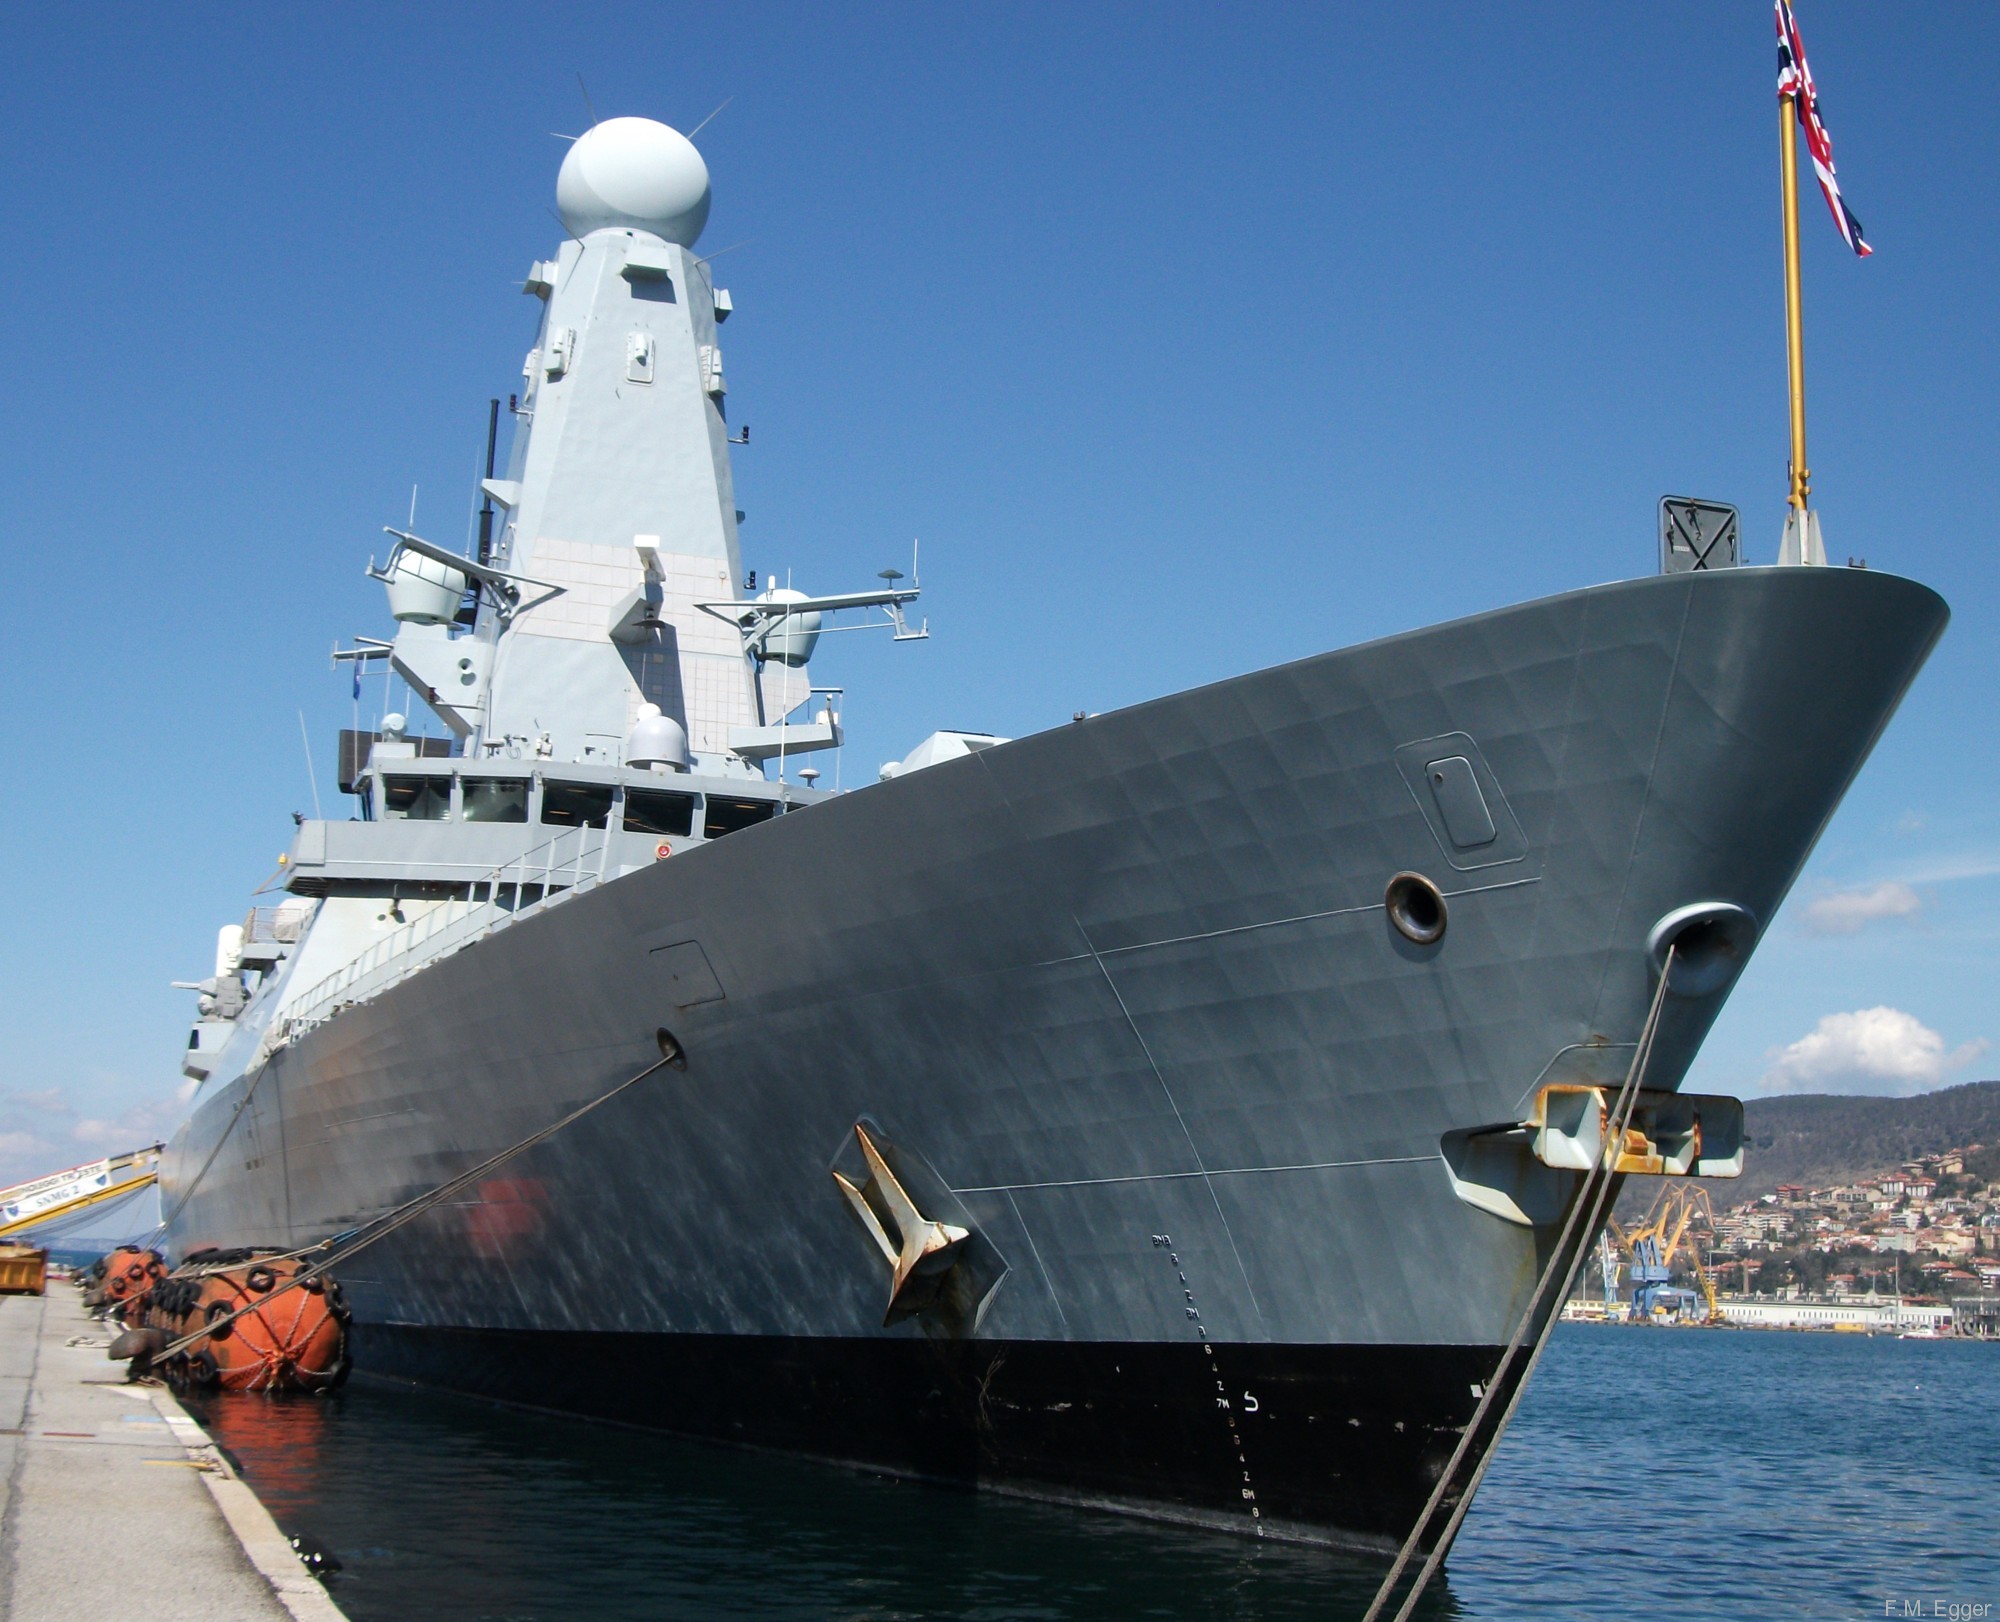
column 538, row 878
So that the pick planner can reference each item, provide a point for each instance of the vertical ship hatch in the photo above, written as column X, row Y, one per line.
column 1459, row 802
column 690, row 978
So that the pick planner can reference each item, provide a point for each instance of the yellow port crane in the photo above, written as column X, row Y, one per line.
column 1652, row 1245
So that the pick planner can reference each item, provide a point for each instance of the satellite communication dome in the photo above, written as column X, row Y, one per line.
column 793, row 638
column 656, row 740
column 637, row 173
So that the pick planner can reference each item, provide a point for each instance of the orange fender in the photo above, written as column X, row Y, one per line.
column 128, row 1280
column 294, row 1341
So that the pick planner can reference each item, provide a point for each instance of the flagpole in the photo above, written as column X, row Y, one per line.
column 1795, row 340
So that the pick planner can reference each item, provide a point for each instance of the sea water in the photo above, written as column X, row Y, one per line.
column 1650, row 1472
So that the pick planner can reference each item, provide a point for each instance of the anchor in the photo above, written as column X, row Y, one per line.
column 921, row 1251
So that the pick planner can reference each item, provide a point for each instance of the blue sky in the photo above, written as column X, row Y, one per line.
column 1188, row 340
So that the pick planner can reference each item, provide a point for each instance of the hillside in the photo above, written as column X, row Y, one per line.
column 1825, row 1138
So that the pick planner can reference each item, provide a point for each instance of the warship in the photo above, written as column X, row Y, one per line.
column 1171, row 1111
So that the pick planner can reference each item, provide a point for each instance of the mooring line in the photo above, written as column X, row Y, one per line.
column 389, row 1221
column 1563, row 1259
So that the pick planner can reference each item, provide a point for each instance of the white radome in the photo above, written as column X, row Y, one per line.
column 636, row 173
column 656, row 740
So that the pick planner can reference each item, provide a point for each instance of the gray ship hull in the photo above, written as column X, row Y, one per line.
column 1125, row 1002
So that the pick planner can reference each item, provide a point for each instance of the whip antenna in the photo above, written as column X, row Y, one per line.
column 726, row 100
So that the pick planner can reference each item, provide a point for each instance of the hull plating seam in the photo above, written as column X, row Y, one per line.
column 1272, row 923
column 1221, row 1171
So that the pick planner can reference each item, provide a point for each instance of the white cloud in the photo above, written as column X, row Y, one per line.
column 42, row 1132
column 1872, row 1050
column 138, row 1128
column 23, row 1155
column 1956, row 868
column 97, row 1133
column 1848, row 912
column 49, row 1101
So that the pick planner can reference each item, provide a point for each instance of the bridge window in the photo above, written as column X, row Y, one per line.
column 417, row 799
column 648, row 811
column 495, row 799
column 576, row 805
column 726, row 816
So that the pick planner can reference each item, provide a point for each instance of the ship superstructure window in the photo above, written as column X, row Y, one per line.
column 495, row 799
column 648, row 811
column 576, row 805
column 416, row 799
column 726, row 816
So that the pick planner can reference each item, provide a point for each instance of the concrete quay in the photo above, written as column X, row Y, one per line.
column 113, row 1501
